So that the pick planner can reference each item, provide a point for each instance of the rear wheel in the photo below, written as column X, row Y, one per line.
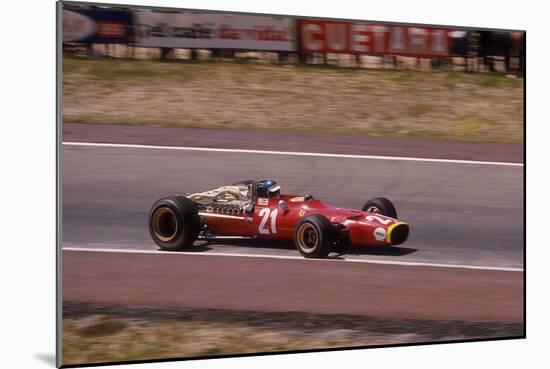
column 314, row 236
column 380, row 205
column 174, row 223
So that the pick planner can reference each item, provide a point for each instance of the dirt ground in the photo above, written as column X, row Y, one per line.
column 101, row 333
column 442, row 105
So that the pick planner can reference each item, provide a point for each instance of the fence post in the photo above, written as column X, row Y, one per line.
column 164, row 51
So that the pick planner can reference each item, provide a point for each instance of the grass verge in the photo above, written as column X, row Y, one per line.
column 101, row 333
column 442, row 105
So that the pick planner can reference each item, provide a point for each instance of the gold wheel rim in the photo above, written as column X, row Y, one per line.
column 308, row 238
column 165, row 224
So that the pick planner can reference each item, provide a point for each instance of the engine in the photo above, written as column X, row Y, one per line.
column 226, row 200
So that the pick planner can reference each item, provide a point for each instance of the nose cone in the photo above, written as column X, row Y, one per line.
column 398, row 233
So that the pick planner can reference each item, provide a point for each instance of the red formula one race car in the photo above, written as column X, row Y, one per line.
column 257, row 209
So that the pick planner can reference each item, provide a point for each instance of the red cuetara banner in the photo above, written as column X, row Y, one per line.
column 373, row 39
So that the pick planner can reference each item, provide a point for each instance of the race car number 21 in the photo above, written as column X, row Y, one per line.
column 267, row 213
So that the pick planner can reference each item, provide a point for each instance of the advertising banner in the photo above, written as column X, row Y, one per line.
column 96, row 26
column 373, row 39
column 211, row 31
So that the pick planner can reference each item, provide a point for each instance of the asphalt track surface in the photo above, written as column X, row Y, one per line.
column 309, row 142
column 463, row 214
column 274, row 285
column 460, row 214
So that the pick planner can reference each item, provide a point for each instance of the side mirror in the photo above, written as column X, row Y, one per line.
column 283, row 204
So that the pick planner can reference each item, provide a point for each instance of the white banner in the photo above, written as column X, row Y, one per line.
column 77, row 26
column 210, row 31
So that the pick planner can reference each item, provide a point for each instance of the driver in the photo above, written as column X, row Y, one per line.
column 268, row 188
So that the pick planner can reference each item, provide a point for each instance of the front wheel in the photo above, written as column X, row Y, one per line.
column 380, row 205
column 174, row 223
column 314, row 236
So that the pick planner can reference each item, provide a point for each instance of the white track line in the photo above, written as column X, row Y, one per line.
column 291, row 153
column 288, row 257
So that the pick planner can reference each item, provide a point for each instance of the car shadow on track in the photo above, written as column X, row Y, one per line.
column 377, row 250
column 340, row 251
column 202, row 247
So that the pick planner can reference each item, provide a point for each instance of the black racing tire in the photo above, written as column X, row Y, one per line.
column 381, row 205
column 174, row 223
column 314, row 236
column 244, row 182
